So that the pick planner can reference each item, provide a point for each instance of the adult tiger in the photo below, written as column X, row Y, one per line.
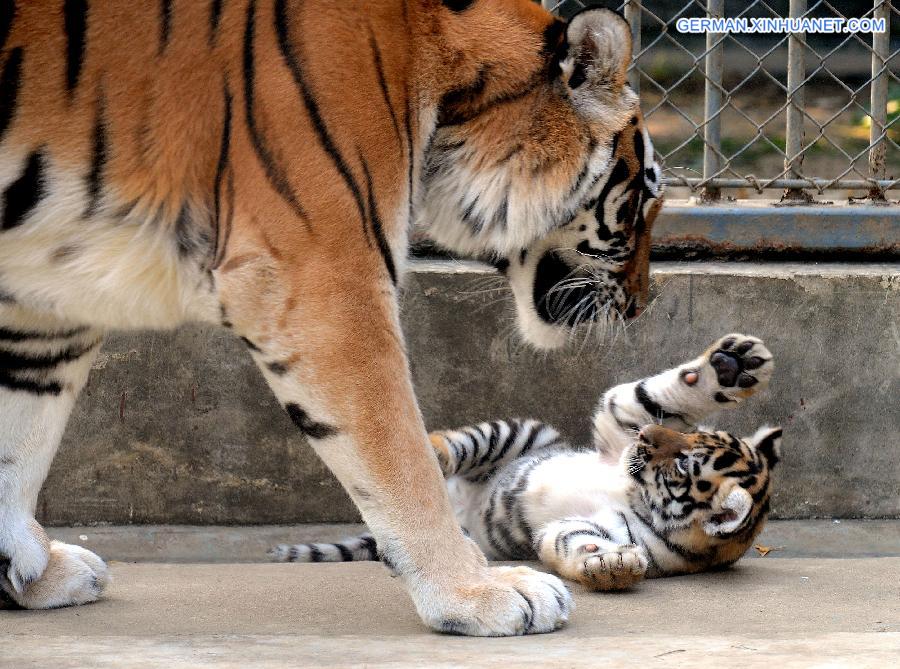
column 258, row 163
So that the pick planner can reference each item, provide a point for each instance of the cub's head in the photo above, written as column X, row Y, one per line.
column 542, row 163
column 711, row 483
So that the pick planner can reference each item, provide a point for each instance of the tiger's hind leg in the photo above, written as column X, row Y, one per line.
column 476, row 453
column 733, row 369
column 44, row 363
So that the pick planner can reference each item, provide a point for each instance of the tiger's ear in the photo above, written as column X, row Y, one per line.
column 598, row 53
column 728, row 515
column 767, row 441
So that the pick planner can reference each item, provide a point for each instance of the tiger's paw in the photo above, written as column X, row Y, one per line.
column 73, row 576
column 731, row 370
column 511, row 601
column 617, row 569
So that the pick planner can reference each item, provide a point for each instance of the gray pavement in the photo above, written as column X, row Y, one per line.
column 764, row 613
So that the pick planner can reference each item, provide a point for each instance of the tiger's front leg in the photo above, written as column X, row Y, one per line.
column 598, row 553
column 44, row 363
column 330, row 346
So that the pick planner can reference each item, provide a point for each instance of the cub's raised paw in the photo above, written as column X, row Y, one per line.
column 616, row 569
column 511, row 601
column 742, row 366
column 74, row 575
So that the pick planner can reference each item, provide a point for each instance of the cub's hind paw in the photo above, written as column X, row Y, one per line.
column 742, row 366
column 616, row 569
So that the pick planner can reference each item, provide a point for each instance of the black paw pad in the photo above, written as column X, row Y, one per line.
column 727, row 366
column 743, row 348
column 754, row 363
column 746, row 381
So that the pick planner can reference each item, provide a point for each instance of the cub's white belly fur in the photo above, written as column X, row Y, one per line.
column 568, row 484
column 573, row 484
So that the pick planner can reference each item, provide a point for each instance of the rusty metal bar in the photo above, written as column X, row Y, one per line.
column 712, row 116
column 796, row 75
column 765, row 184
column 879, row 99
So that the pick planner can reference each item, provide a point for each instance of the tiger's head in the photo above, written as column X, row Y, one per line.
column 541, row 162
column 711, row 485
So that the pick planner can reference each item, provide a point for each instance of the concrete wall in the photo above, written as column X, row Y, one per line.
column 180, row 428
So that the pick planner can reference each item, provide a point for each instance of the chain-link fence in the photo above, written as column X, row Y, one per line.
column 802, row 112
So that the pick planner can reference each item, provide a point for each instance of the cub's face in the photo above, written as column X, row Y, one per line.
column 543, row 164
column 712, row 481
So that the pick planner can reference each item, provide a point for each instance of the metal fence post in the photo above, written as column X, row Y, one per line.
column 633, row 16
column 712, row 115
column 879, row 100
column 796, row 74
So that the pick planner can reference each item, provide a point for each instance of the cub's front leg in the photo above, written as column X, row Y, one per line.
column 599, row 555
column 733, row 369
column 329, row 344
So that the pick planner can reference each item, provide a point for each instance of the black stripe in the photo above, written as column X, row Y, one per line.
column 565, row 538
column 165, row 24
column 9, row 88
column 309, row 427
column 346, row 553
column 377, row 227
column 727, row 459
column 407, row 122
column 529, row 617
column 650, row 406
column 382, row 82
column 75, row 14
column 23, row 194
column 493, row 442
column 215, row 15
column 11, row 382
column 24, row 335
column 514, row 434
column 451, row 118
column 681, row 551
column 224, row 147
column 274, row 173
column 627, row 527
column 7, row 16
column 294, row 63
column 625, row 425
column 371, row 546
column 315, row 555
column 11, row 361
column 618, row 175
column 98, row 159
column 249, row 344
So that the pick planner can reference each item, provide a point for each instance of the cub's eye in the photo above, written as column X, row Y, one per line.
column 681, row 461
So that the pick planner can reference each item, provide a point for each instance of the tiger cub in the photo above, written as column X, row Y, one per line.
column 656, row 496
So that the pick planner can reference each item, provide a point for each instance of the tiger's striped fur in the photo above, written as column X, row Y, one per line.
column 647, row 500
column 258, row 164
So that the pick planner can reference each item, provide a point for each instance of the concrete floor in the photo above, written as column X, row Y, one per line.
column 785, row 612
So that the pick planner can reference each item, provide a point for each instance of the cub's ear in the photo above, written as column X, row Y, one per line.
column 730, row 514
column 599, row 52
column 767, row 441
